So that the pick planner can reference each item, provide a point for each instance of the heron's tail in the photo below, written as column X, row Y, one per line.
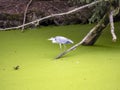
column 69, row 42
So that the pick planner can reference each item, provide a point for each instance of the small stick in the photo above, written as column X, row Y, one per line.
column 25, row 14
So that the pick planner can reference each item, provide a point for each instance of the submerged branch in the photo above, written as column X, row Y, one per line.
column 91, row 37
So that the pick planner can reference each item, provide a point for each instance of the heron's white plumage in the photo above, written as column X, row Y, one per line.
column 61, row 40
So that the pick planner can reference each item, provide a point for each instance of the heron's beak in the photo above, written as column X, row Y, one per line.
column 50, row 38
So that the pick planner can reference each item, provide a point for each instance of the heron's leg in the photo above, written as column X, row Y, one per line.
column 60, row 46
column 64, row 46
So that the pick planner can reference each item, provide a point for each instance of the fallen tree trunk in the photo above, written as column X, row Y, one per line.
column 91, row 37
column 94, row 34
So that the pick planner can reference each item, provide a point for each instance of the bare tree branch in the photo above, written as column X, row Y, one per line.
column 114, row 37
column 55, row 15
column 25, row 13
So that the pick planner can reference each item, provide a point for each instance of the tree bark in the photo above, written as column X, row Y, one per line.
column 91, row 37
column 94, row 34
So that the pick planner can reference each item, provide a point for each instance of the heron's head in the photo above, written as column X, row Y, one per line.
column 52, row 39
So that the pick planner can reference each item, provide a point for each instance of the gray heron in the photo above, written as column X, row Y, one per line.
column 61, row 40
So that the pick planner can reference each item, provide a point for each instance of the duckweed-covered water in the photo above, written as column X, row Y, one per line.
column 86, row 68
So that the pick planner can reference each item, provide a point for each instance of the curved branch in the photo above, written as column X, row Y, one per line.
column 25, row 13
column 54, row 15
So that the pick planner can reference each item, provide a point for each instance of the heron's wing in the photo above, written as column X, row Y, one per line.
column 70, row 41
column 63, row 40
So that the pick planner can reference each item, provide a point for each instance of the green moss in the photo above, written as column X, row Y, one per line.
column 86, row 68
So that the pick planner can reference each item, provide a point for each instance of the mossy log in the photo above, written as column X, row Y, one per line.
column 96, row 31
